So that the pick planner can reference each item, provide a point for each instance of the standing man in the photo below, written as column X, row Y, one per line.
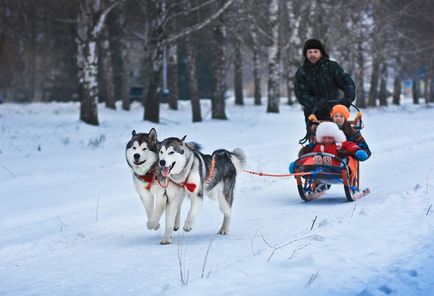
column 318, row 81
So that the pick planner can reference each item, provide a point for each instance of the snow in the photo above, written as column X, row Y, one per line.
column 72, row 224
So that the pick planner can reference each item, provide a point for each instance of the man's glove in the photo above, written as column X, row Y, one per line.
column 361, row 155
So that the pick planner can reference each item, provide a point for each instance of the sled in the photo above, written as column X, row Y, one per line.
column 322, row 174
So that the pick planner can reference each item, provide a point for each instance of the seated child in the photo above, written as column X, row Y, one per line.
column 330, row 139
column 340, row 115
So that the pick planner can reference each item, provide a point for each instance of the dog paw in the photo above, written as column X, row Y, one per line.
column 223, row 231
column 153, row 225
column 187, row 228
column 166, row 241
column 176, row 228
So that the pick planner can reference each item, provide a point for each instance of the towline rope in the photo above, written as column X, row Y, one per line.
column 287, row 175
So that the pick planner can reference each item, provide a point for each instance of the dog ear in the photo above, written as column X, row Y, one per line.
column 183, row 138
column 134, row 133
column 153, row 135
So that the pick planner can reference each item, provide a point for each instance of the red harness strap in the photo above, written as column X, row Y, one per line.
column 190, row 186
column 148, row 178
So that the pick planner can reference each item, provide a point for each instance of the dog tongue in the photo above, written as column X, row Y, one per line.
column 165, row 171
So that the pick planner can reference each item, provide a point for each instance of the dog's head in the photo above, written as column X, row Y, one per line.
column 142, row 151
column 174, row 155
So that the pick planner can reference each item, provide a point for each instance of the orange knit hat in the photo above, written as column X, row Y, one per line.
column 340, row 109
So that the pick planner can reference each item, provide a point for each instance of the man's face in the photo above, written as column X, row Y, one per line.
column 313, row 55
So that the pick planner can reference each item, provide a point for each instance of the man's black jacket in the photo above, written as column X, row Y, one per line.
column 315, row 83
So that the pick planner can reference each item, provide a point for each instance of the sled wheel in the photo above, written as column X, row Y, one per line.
column 307, row 189
column 350, row 186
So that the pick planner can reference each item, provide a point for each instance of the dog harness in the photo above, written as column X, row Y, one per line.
column 148, row 178
column 189, row 186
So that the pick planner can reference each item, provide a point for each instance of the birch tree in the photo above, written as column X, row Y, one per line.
column 90, row 21
column 273, row 59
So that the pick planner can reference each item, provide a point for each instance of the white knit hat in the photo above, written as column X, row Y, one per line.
column 329, row 129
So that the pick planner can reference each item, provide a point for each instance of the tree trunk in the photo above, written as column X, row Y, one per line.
column 153, row 94
column 173, row 76
column 90, row 21
column 372, row 98
column 273, row 60
column 415, row 89
column 256, row 66
column 87, row 60
column 219, row 71
column 397, row 89
column 430, row 82
column 192, row 80
column 125, row 55
column 360, row 75
column 107, row 70
column 238, row 72
column 154, row 56
column 383, row 85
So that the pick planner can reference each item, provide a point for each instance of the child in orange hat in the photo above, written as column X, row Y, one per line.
column 340, row 115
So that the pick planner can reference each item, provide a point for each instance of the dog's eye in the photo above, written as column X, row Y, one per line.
column 134, row 148
column 144, row 149
column 171, row 152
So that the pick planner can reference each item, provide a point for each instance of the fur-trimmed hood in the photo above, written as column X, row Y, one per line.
column 329, row 129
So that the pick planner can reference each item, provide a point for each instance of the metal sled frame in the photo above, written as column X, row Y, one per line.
column 325, row 174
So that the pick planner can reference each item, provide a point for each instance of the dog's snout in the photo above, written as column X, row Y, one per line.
column 162, row 163
column 136, row 156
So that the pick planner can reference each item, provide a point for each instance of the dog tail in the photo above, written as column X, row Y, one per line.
column 193, row 146
column 238, row 158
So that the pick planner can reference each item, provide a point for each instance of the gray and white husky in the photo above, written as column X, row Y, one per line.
column 189, row 169
column 142, row 157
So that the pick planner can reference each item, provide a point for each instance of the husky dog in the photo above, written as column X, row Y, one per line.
column 187, row 167
column 142, row 157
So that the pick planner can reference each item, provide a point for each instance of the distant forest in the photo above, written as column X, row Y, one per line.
column 161, row 51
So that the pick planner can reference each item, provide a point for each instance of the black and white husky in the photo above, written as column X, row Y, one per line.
column 142, row 157
column 190, row 169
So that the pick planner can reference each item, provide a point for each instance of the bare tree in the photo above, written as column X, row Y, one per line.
column 383, row 85
column 173, row 76
column 90, row 21
column 107, row 69
column 256, row 65
column 397, row 82
column 125, row 57
column 219, row 71
column 192, row 80
column 273, row 59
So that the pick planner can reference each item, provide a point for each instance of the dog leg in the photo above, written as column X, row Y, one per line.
column 226, row 209
column 160, row 204
column 196, row 203
column 147, row 199
column 170, row 221
column 178, row 214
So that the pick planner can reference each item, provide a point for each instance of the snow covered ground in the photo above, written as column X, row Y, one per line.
column 71, row 222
